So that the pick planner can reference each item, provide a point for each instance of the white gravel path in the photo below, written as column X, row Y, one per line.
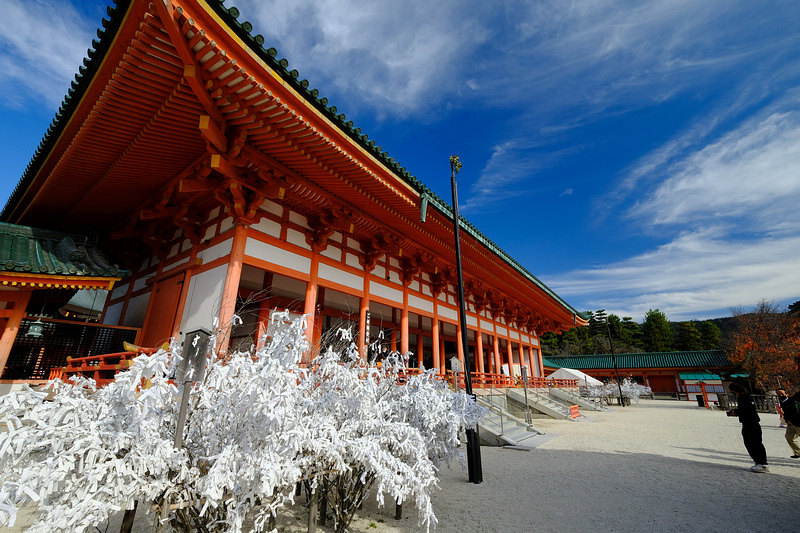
column 659, row 466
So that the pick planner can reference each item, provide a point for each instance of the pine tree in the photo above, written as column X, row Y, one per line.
column 656, row 332
column 689, row 337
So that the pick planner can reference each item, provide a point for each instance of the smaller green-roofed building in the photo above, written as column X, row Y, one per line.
column 52, row 286
column 666, row 373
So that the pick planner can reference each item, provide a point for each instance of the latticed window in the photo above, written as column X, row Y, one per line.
column 32, row 357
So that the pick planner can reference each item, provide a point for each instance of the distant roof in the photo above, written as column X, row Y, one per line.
column 703, row 376
column 697, row 359
column 37, row 252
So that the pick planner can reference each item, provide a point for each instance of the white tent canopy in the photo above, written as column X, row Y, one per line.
column 584, row 380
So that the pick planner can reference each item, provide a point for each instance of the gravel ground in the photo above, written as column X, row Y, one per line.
column 656, row 466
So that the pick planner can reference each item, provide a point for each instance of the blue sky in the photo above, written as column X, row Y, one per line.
column 632, row 155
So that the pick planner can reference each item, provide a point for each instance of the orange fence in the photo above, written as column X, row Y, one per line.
column 483, row 380
column 101, row 368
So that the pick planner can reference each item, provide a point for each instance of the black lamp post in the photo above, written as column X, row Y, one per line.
column 614, row 362
column 473, row 440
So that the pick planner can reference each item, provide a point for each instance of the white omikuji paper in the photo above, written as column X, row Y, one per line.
column 630, row 389
column 257, row 425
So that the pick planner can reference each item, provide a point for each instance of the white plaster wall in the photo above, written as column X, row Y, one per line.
column 113, row 312
column 137, row 309
column 271, row 207
column 352, row 260
column 268, row 227
column 297, row 238
column 298, row 219
column 215, row 252
column 416, row 302
column 210, row 233
column 347, row 279
column 379, row 289
column 175, row 264
column 119, row 291
column 447, row 312
column 332, row 252
column 278, row 256
column 226, row 225
column 141, row 283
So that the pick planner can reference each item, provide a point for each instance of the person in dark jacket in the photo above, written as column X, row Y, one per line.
column 791, row 414
column 751, row 427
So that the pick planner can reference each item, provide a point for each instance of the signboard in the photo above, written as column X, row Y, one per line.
column 193, row 365
column 573, row 411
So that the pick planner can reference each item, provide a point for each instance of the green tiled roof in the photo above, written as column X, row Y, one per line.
column 708, row 376
column 36, row 251
column 243, row 30
column 698, row 376
column 697, row 359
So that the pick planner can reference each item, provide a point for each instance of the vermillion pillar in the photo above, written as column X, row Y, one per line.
column 310, row 307
column 363, row 320
column 20, row 303
column 404, row 323
column 230, row 290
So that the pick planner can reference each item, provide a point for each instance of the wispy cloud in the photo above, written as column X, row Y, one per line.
column 751, row 175
column 43, row 44
column 693, row 276
column 731, row 205
column 393, row 58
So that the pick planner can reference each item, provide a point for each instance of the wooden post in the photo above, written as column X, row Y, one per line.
column 312, row 512
column 323, row 511
column 128, row 517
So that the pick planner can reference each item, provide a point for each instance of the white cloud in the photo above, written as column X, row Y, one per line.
column 43, row 44
column 751, row 175
column 390, row 56
column 732, row 206
column 694, row 276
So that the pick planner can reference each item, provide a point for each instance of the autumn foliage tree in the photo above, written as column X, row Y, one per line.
column 766, row 344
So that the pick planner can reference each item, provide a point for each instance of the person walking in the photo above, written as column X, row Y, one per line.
column 791, row 414
column 751, row 427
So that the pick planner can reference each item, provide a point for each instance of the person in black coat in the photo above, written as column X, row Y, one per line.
column 791, row 414
column 751, row 427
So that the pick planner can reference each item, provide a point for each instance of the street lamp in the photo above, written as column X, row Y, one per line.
column 473, row 440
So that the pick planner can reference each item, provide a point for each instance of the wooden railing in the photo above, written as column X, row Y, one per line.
column 483, row 380
column 101, row 368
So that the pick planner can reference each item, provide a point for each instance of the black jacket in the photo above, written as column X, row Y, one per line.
column 791, row 410
column 746, row 410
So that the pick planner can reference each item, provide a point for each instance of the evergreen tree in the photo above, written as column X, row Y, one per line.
column 711, row 335
column 631, row 334
column 549, row 343
column 656, row 332
column 689, row 337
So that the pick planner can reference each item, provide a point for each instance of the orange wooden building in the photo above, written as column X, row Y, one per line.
column 228, row 187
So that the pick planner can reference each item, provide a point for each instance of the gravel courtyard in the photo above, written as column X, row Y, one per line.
column 656, row 466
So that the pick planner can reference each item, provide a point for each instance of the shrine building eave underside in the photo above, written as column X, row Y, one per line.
column 179, row 109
